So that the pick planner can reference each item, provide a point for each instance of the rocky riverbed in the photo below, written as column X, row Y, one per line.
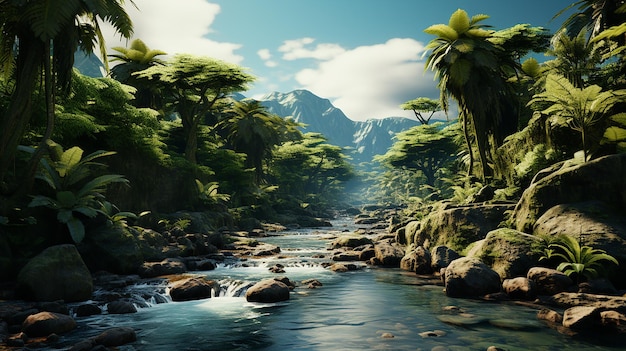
column 569, row 308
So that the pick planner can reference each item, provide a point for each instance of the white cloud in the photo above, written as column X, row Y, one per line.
column 168, row 26
column 264, row 54
column 296, row 49
column 372, row 81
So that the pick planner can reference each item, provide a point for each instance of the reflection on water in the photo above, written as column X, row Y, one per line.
column 371, row 309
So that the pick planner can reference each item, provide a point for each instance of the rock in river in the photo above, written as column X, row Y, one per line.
column 268, row 290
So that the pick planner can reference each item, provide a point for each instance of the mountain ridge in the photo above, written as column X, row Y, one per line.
column 364, row 138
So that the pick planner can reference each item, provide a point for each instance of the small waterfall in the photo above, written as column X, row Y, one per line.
column 232, row 288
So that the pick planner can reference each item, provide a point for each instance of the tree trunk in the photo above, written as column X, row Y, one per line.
column 14, row 122
column 468, row 143
column 49, row 86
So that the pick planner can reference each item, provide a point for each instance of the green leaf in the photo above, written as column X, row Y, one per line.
column 69, row 159
column 619, row 118
column 459, row 21
column 442, row 31
column 41, row 200
column 66, row 199
column 65, row 215
column 615, row 134
column 77, row 230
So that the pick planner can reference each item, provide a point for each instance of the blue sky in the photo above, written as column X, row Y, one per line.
column 363, row 55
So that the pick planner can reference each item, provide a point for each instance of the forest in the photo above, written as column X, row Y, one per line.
column 158, row 138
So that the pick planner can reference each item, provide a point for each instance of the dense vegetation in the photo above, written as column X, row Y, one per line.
column 516, row 115
column 165, row 135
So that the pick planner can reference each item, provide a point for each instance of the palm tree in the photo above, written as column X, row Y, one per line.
column 594, row 15
column 468, row 69
column 476, row 66
column 254, row 131
column 581, row 108
column 575, row 57
column 135, row 58
column 41, row 37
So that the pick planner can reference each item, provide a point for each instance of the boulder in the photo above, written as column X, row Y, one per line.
column 550, row 316
column 111, row 248
column 193, row 289
column 581, row 317
column 268, row 291
column 601, row 180
column 605, row 302
column 549, row 281
column 57, row 273
column 266, row 250
column 46, row 323
column 442, row 256
column 507, row 251
column 351, row 241
column 599, row 226
column 417, row 260
column 166, row 267
column 346, row 256
column 520, row 288
column 116, row 337
column 388, row 253
column 613, row 320
column 469, row 277
column 88, row 309
column 121, row 307
column 457, row 227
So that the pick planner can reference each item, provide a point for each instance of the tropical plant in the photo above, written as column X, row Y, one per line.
column 593, row 15
column 310, row 170
column 209, row 193
column 138, row 57
column 422, row 105
column 582, row 108
column 424, row 148
column 254, row 131
column 474, row 65
column 76, row 191
column 578, row 260
column 28, row 32
column 192, row 85
column 575, row 57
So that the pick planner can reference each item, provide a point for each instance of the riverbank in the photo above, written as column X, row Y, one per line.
column 382, row 305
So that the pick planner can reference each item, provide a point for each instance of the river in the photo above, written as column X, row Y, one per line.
column 368, row 309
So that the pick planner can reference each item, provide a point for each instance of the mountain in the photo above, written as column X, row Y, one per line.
column 366, row 138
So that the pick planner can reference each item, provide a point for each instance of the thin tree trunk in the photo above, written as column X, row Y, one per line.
column 469, row 144
column 42, row 149
column 14, row 122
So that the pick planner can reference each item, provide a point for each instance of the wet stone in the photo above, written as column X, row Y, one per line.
column 432, row 334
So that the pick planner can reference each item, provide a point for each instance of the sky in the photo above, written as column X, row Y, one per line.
column 365, row 56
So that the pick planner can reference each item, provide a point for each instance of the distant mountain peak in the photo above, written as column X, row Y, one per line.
column 368, row 138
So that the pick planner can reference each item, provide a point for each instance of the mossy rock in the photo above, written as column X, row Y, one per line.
column 509, row 252
column 57, row 273
column 457, row 227
column 601, row 180
column 350, row 241
column 111, row 248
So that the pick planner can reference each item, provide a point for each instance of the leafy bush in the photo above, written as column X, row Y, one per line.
column 75, row 189
column 577, row 260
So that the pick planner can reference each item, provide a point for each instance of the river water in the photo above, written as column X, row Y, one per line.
column 368, row 309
